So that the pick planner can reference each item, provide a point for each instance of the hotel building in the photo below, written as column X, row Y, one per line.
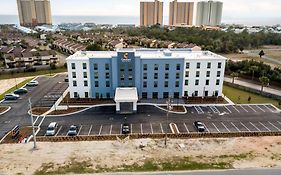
column 151, row 13
column 181, row 13
column 209, row 13
column 128, row 75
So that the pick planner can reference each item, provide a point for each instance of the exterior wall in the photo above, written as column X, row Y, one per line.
column 209, row 13
column 151, row 13
column 181, row 13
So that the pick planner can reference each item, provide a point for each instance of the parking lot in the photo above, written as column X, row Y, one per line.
column 217, row 119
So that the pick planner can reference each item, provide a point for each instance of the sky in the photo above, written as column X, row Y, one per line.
column 233, row 9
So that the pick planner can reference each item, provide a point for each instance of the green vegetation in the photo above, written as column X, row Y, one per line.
column 94, row 47
column 14, row 88
column 242, row 97
column 30, row 74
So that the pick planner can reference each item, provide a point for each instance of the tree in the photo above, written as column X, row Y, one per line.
column 234, row 75
column 264, row 82
column 261, row 53
column 94, row 47
column 253, row 69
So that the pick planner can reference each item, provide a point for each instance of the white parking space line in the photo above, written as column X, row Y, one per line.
column 245, row 126
column 214, row 109
column 90, row 130
column 121, row 128
column 110, row 130
column 260, row 108
column 186, row 127
column 243, row 108
column 151, row 128
column 100, row 129
column 58, row 131
column 79, row 129
column 236, row 109
column 235, row 127
column 279, row 122
column 274, row 126
column 161, row 128
column 41, row 121
column 131, row 128
column 227, row 109
column 199, row 109
column 252, row 108
column 264, row 126
column 255, row 126
column 141, row 128
column 206, row 128
column 225, row 126
column 35, row 120
column 216, row 127
column 268, row 108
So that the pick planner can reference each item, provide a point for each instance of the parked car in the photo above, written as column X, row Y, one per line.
column 73, row 130
column 21, row 91
column 32, row 83
column 199, row 126
column 52, row 128
column 125, row 129
column 12, row 97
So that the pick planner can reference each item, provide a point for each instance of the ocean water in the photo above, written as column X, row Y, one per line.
column 13, row 19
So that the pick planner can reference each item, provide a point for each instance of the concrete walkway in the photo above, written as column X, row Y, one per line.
column 245, row 83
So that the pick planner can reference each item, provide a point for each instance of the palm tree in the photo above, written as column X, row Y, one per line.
column 234, row 75
column 253, row 69
column 264, row 82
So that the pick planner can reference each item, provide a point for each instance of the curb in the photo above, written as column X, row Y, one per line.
column 6, row 110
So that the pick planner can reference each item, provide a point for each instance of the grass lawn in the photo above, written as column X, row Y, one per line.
column 14, row 88
column 30, row 74
column 233, row 94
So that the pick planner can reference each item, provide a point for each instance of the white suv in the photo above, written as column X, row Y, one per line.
column 52, row 128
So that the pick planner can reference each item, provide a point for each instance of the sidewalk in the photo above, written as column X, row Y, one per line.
column 245, row 83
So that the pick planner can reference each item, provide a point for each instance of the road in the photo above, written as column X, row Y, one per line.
column 271, row 171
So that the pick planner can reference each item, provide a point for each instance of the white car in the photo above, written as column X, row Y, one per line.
column 52, row 128
column 32, row 83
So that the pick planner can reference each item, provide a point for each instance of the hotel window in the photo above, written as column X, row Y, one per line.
column 144, row 95
column 96, row 84
column 185, row 93
column 155, row 95
column 178, row 75
column 95, row 66
column 155, row 75
column 73, row 65
column 207, row 82
column 122, row 68
column 197, row 73
column 85, row 83
column 145, row 67
column 74, row 83
column 155, row 66
column 178, row 67
column 186, row 82
column 165, row 94
column 107, row 84
column 130, row 77
column 155, row 84
column 209, row 65
column 85, row 75
column 145, row 84
column 208, row 74
column 167, row 66
column 122, row 77
column 196, row 82
column 186, row 74
column 218, row 82
column 219, row 65
column 86, row 94
column 166, row 75
column 73, row 74
column 198, row 66
column 187, row 65
column 216, row 93
column 130, row 68
column 84, row 65
column 177, row 84
column 106, row 75
column 166, row 84
column 106, row 66
column 107, row 95
column 75, row 95
column 218, row 73
column 196, row 93
column 97, row 95
column 176, row 94
column 144, row 75
column 96, row 75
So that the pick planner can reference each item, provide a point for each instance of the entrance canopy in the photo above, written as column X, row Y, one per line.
column 126, row 96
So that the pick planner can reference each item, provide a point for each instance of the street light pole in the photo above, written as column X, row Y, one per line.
column 33, row 132
column 168, row 111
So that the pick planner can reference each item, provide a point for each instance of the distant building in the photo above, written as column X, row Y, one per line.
column 181, row 13
column 151, row 13
column 209, row 13
column 34, row 12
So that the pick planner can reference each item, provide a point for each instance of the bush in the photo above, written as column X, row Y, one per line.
column 53, row 66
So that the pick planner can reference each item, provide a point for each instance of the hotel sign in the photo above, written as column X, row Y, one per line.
column 125, row 58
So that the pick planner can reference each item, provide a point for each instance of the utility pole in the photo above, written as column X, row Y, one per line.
column 33, row 132
column 168, row 111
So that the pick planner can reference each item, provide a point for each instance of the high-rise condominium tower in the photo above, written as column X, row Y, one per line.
column 34, row 12
column 181, row 13
column 151, row 13
column 209, row 13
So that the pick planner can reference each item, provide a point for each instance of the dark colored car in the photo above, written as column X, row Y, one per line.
column 21, row 91
column 125, row 129
column 199, row 126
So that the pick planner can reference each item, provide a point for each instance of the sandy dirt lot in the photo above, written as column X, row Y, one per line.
column 9, row 83
column 239, row 152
